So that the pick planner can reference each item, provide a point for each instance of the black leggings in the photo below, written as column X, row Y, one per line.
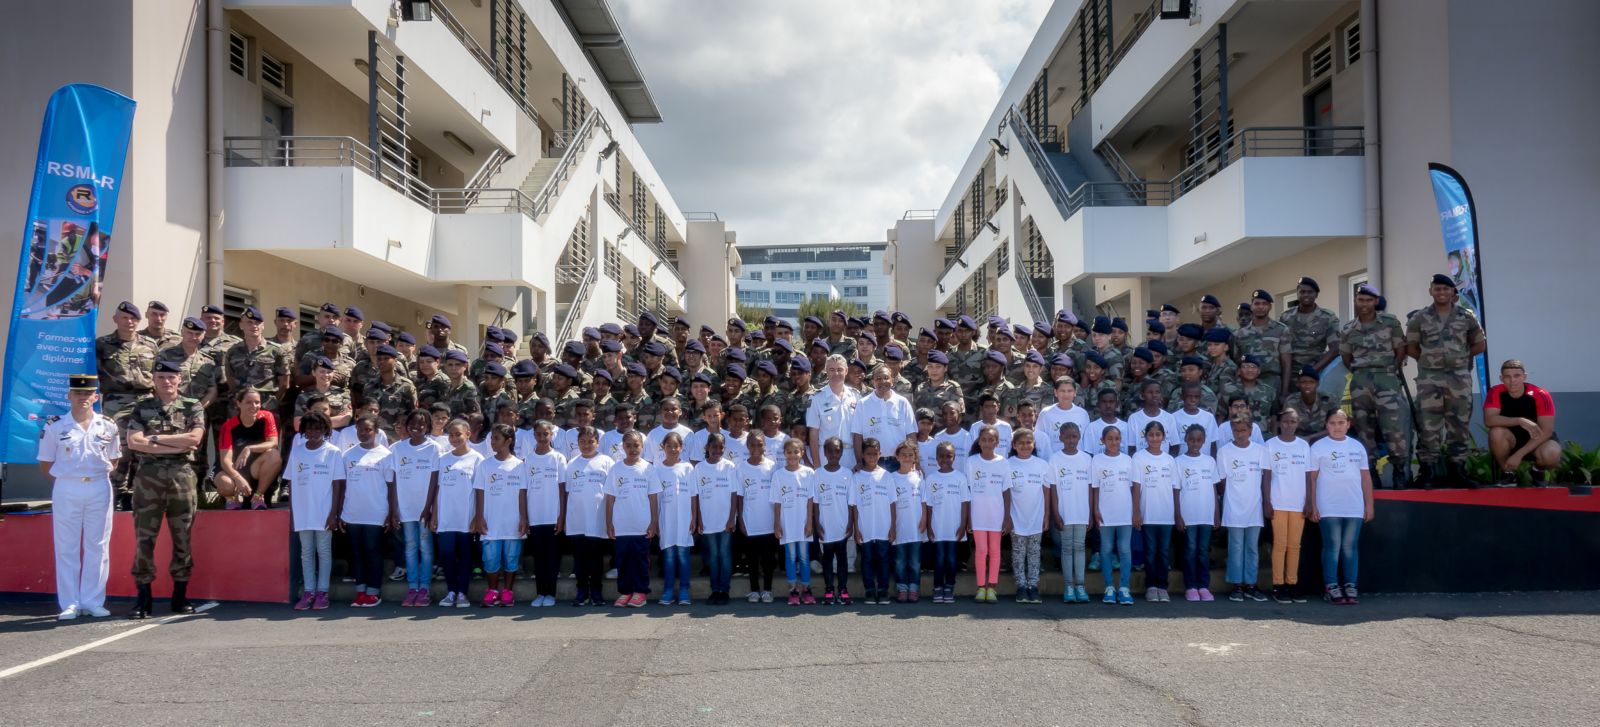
column 542, row 546
column 588, row 558
column 762, row 551
column 834, row 560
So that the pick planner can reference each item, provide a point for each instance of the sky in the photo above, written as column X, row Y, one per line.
column 825, row 120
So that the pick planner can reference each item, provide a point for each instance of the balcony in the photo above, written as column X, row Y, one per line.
column 644, row 250
column 330, row 204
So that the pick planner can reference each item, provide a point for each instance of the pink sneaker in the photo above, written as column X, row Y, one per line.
column 637, row 600
column 305, row 601
column 258, row 504
column 507, row 597
column 491, row 597
column 321, row 601
column 808, row 599
column 422, row 599
column 1192, row 594
column 794, row 598
column 1205, row 595
column 231, row 505
column 411, row 597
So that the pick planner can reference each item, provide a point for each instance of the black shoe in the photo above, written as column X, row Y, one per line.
column 1400, row 475
column 1297, row 594
column 143, row 604
column 1425, row 474
column 1281, row 594
column 180, row 597
column 1507, row 479
column 1255, row 594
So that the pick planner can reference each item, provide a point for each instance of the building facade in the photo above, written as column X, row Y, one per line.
column 1136, row 160
column 458, row 156
column 782, row 277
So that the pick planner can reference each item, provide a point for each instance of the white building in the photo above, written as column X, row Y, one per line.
column 781, row 277
column 1135, row 160
column 480, row 163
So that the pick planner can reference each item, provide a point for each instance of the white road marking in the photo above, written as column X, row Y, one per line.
column 36, row 663
column 1216, row 649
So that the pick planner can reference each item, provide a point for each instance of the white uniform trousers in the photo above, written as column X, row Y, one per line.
column 81, row 515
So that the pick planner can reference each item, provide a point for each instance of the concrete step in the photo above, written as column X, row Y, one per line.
column 538, row 175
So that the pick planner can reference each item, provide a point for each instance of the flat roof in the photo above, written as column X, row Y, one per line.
column 597, row 31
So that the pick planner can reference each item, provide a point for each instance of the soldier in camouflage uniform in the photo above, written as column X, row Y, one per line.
column 459, row 393
column 155, row 329
column 1211, row 314
column 492, row 391
column 1189, row 370
column 1313, row 330
column 994, row 384
column 1139, row 364
column 311, row 341
column 254, row 362
column 966, row 359
column 1095, row 381
column 330, row 346
column 1314, row 406
column 1373, row 348
column 1263, row 399
column 1223, row 373
column 800, row 392
column 123, row 360
column 426, row 375
column 1268, row 340
column 564, row 392
column 217, row 341
column 1444, row 338
column 894, row 359
column 164, row 431
column 439, row 335
column 1033, row 387
column 605, row 405
column 838, row 341
column 766, row 391
column 395, row 395
column 340, row 411
column 938, row 389
column 366, row 368
column 644, row 409
column 199, row 373
column 1190, row 338
column 1100, row 342
column 701, row 394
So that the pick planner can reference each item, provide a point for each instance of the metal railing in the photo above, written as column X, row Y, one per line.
column 655, row 246
column 1141, row 23
column 702, row 216
column 467, row 200
column 1120, row 166
column 1263, row 141
column 580, row 298
column 1030, row 294
column 450, row 22
column 490, row 167
column 569, row 158
column 920, row 215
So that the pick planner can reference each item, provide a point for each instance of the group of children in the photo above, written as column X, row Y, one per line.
column 623, row 492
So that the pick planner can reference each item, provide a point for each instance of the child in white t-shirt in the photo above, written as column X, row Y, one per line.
column 1340, row 501
column 1287, row 503
column 716, row 513
column 585, row 519
column 927, row 457
column 676, row 500
column 369, row 506
column 414, row 465
column 948, row 504
column 1197, row 510
column 316, row 469
column 1155, row 477
column 1106, row 407
column 451, row 505
column 632, row 498
column 1152, row 411
column 1116, row 507
column 989, row 477
column 834, row 525
column 1072, row 485
column 910, row 523
column 760, row 542
column 501, row 518
column 547, row 472
column 1246, row 471
column 872, row 500
column 989, row 416
column 1031, row 480
column 954, row 433
column 790, row 493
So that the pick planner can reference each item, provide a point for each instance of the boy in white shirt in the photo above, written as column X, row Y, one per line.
column 669, row 411
column 1106, row 407
column 1065, row 410
column 989, row 416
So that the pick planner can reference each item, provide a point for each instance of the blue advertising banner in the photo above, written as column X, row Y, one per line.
column 64, row 247
column 1459, row 221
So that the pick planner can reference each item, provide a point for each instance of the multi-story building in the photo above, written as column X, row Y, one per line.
column 469, row 157
column 782, row 277
column 1151, row 151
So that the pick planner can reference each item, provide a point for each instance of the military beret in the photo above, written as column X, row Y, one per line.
column 784, row 344
column 857, row 322
column 130, row 309
column 737, row 323
column 1022, row 331
column 1066, row 316
column 1034, row 357
column 706, row 330
column 701, row 378
column 1368, row 290
column 821, row 343
column 785, row 325
column 737, row 355
column 1169, row 308
column 1383, row 303
column 1119, row 324
column 439, row 319
column 329, row 332
column 454, row 355
column 1309, row 283
column 631, row 330
column 406, row 337
column 997, row 322
column 814, row 321
column 1251, row 359
column 1157, row 347
column 858, row 363
column 1095, row 358
column 765, row 366
column 800, row 364
column 1191, row 330
column 388, row 350
column 210, row 309
column 573, row 348
column 1102, row 324
column 1041, row 328
column 611, row 328
column 1062, row 359
column 1004, row 331
column 494, row 333
column 681, row 322
column 649, row 317
column 944, row 323
column 837, row 314
column 869, row 335
column 1081, row 325
column 1151, row 313
column 525, row 368
column 1261, row 295
column 603, row 375
column 610, row 345
column 377, row 334
column 590, row 333
column 735, row 372
column 323, row 362
column 1244, row 307
column 881, row 315
column 1218, row 335
column 965, row 321
column 494, row 368
column 671, row 372
column 1192, row 361
column 354, row 312
column 893, row 352
column 493, row 348
column 769, row 321
column 695, row 345
column 930, row 335
column 1209, row 299
column 540, row 339
column 1155, row 327
column 195, row 324
column 167, row 366
column 898, row 317
column 427, row 350
column 1311, row 372
column 380, row 325
column 993, row 356
column 329, row 308
column 653, row 348
column 1144, row 353
column 508, row 335
column 565, row 370
column 282, row 312
column 758, row 335
column 636, row 369
column 719, row 338
column 938, row 357
column 1442, row 279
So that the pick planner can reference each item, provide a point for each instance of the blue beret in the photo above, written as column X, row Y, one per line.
column 1261, row 295
column 129, row 308
column 1169, row 308
column 1095, row 358
column 427, row 350
column 838, row 314
column 1309, row 283
column 282, row 312
column 439, row 319
column 930, row 335
column 636, row 369
column 494, row 333
column 1155, row 327
column 737, row 355
column 1209, row 299
column 1218, row 335
column 881, row 315
column 565, row 370
column 1062, row 359
column 898, row 317
column 167, row 366
column 195, row 324
column 611, row 328
column 649, row 317
column 631, row 330
column 784, row 344
column 610, row 345
column 938, row 357
column 858, row 363
column 1310, row 371
column 1042, row 328
column 1082, row 325
column 997, row 322
column 857, row 322
column 524, row 369
column 695, row 345
column 943, row 323
column 388, row 350
column 766, row 366
column 1252, row 359
column 380, row 325
column 735, row 372
column 493, row 348
column 966, row 322
column 814, row 321
column 653, row 348
column 493, row 368
column 706, row 330
column 329, row 308
column 1368, row 290
column 250, row 312
column 1442, row 279
column 1143, row 353
column 407, row 338
column 1157, row 347
column 800, row 364
column 454, row 355
column 701, row 378
column 869, row 335
column 591, row 333
column 1066, row 316
column 821, row 343
column 1118, row 323
column 323, row 362
column 769, row 321
column 603, row 374
column 894, row 352
column 573, row 348
column 671, row 372
column 354, row 312
column 995, row 357
column 1034, row 357
column 540, row 339
column 736, row 323
column 681, row 322
column 1193, row 361
column 1022, row 331
column 1004, row 331
column 785, row 325
column 1191, row 330
column 377, row 334
column 1102, row 324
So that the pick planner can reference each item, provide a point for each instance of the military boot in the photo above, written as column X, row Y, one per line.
column 142, row 604
column 1425, row 473
column 1400, row 475
column 180, row 597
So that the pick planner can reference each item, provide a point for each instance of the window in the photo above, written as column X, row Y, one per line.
column 785, row 276
column 755, row 297
column 238, row 54
column 274, row 74
column 1319, row 60
column 821, row 274
column 308, row 317
column 790, row 298
column 234, row 301
column 753, row 275
column 1352, row 43
column 855, row 273
column 820, row 297
column 853, row 291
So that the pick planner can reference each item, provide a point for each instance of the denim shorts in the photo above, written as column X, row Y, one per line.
column 502, row 555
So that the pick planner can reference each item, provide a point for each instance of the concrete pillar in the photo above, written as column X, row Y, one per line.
column 467, row 323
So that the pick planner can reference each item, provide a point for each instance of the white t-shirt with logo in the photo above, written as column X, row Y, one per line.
column 694, row 448
column 833, row 502
column 944, row 493
column 1073, row 480
column 736, row 450
column 872, row 493
column 1092, row 439
column 907, row 507
column 988, row 481
column 545, row 475
column 1113, row 477
column 631, row 486
column 755, row 483
column 1049, row 426
column 611, row 444
column 1001, row 427
column 456, row 501
column 675, row 500
column 1241, row 470
column 652, row 443
column 1156, row 475
column 313, row 471
column 792, row 492
column 1138, row 420
column 502, row 481
column 1197, row 483
column 366, row 486
column 1205, row 419
column 1290, row 461
column 1339, row 465
column 412, row 467
column 1031, row 478
column 961, row 440
column 715, row 484
column 586, row 500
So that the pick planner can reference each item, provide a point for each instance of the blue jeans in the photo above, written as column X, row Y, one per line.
column 1157, row 552
column 502, row 555
column 874, row 556
column 719, row 560
column 633, row 564
column 1341, row 545
column 908, row 567
column 675, row 569
column 455, row 555
column 1116, row 544
column 944, row 563
column 797, row 562
column 419, row 555
column 1244, row 561
column 1197, row 556
column 316, row 559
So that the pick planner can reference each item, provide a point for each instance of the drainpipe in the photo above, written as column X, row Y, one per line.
column 216, row 42
column 1371, row 161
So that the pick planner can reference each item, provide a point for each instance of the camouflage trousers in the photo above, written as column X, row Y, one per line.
column 1379, row 411
column 1444, row 402
column 117, row 408
column 163, row 489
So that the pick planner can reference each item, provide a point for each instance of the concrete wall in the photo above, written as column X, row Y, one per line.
column 706, row 263
column 1332, row 263
column 915, row 262
column 279, row 282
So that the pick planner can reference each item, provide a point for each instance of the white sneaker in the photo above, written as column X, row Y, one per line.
column 611, row 575
column 448, row 600
column 754, row 597
column 399, row 574
column 549, row 601
column 462, row 601
column 766, row 596
column 99, row 612
column 67, row 614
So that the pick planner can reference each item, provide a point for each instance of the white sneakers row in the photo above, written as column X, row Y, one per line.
column 72, row 612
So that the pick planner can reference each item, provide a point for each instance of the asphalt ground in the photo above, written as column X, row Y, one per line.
column 1518, row 658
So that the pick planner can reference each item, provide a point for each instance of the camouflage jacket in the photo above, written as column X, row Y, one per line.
column 1313, row 416
column 432, row 391
column 644, row 408
column 167, row 339
column 1222, row 375
column 490, row 403
column 1000, row 390
column 1445, row 341
column 930, row 396
column 1371, row 345
column 1263, row 400
column 124, row 368
column 461, row 398
column 1269, row 342
column 1310, row 334
column 1208, row 401
column 180, row 416
column 259, row 367
column 1089, row 394
column 343, row 366
column 338, row 401
column 795, row 411
column 198, row 372
column 395, row 400
column 1041, row 394
column 217, row 348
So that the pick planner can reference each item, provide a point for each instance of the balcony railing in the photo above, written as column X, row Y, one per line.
column 655, row 245
column 449, row 20
column 569, row 157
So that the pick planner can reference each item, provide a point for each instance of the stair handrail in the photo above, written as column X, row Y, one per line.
column 580, row 300
column 1122, row 168
column 569, row 158
column 486, row 171
column 1036, row 157
column 1030, row 295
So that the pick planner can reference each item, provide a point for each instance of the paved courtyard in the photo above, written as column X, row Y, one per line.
column 1476, row 659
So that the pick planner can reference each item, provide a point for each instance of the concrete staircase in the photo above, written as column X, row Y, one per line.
column 534, row 183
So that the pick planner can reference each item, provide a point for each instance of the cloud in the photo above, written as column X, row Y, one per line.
column 820, row 121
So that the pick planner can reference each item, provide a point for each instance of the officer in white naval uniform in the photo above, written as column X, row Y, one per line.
column 79, row 451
